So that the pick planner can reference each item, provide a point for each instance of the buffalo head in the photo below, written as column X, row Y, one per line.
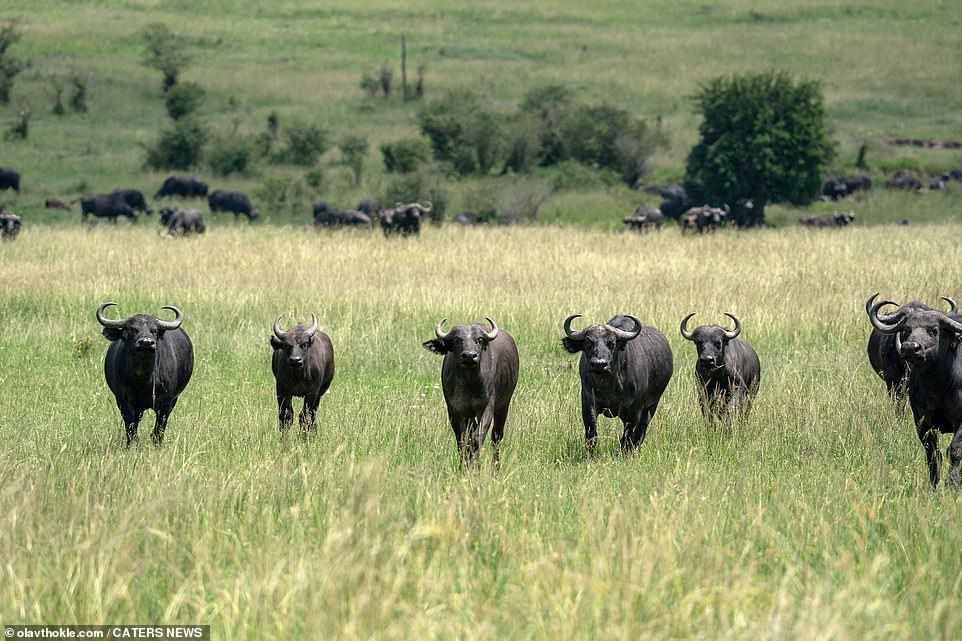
column 465, row 343
column 600, row 343
column 296, row 342
column 710, row 341
column 921, row 333
column 140, row 331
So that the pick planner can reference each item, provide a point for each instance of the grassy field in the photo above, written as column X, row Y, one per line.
column 890, row 69
column 812, row 519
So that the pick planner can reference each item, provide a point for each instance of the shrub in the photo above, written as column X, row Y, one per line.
column 508, row 201
column 385, row 77
column 369, row 84
column 762, row 137
column 20, row 128
column 464, row 131
column 523, row 144
column 178, row 147
column 231, row 154
column 166, row 52
column 184, row 99
column 56, row 86
column 353, row 151
column 305, row 144
column 406, row 155
column 78, row 101
column 550, row 107
column 10, row 67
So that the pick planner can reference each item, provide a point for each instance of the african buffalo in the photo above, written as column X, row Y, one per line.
column 703, row 219
column 182, row 186
column 928, row 341
column 10, row 225
column 327, row 216
column 728, row 370
column 404, row 219
column 644, row 219
column 838, row 219
column 234, row 202
column 368, row 207
column 148, row 365
column 903, row 179
column 303, row 366
column 108, row 206
column 837, row 187
column 884, row 356
column 478, row 376
column 134, row 199
column 182, row 222
column 625, row 367
column 9, row 179
column 56, row 203
column 674, row 200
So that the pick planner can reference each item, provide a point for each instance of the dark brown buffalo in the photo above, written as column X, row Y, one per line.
column 727, row 369
column 134, row 198
column 828, row 221
column 183, row 187
column 9, row 179
column 838, row 187
column 625, row 367
column 56, row 203
column 703, row 219
column 327, row 216
column 928, row 341
column 109, row 206
column 644, row 219
column 303, row 366
column 234, row 202
column 404, row 220
column 148, row 364
column 478, row 377
column 884, row 356
column 182, row 222
column 10, row 225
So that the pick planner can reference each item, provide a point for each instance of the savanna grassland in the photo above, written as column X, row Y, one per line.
column 889, row 69
column 811, row 519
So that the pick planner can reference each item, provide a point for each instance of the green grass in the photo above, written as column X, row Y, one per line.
column 811, row 519
column 889, row 70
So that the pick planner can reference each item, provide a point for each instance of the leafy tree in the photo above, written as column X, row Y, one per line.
column 166, row 52
column 179, row 147
column 464, row 131
column 406, row 155
column 353, row 150
column 762, row 138
column 184, row 99
column 10, row 67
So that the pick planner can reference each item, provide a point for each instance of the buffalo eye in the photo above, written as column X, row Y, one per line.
column 933, row 332
column 718, row 344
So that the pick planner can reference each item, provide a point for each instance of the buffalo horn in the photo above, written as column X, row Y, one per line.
column 103, row 320
column 310, row 331
column 439, row 330
column 174, row 324
column 687, row 335
column 953, row 307
column 493, row 334
column 570, row 334
column 955, row 325
column 278, row 332
column 879, row 324
column 733, row 333
column 622, row 334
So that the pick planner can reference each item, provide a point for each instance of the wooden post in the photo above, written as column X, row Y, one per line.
column 404, row 69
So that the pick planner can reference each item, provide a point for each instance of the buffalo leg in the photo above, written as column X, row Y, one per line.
column 637, row 429
column 468, row 444
column 590, row 419
column 309, row 412
column 497, row 433
column 955, row 457
column 131, row 419
column 930, row 441
column 285, row 412
column 457, row 426
column 160, row 422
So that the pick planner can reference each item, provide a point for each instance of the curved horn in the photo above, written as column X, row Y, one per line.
column 570, row 334
column 733, row 333
column 889, row 318
column 439, row 331
column 622, row 334
column 103, row 320
column 427, row 206
column 493, row 334
column 278, row 332
column 174, row 324
column 953, row 306
column 684, row 328
column 878, row 323
column 955, row 325
column 310, row 331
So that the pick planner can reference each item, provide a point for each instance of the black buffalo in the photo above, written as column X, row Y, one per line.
column 625, row 367
column 478, row 377
column 56, row 203
column 838, row 219
column 10, row 225
column 182, row 186
column 234, row 202
column 404, row 220
column 674, row 200
column 109, row 206
column 728, row 369
column 645, row 219
column 9, row 179
column 928, row 341
column 904, row 180
column 883, row 355
column 303, row 366
column 327, row 216
column 134, row 198
column 369, row 207
column 182, row 222
column 703, row 219
column 148, row 365
column 837, row 187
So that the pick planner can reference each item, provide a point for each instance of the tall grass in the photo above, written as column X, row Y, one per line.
column 810, row 519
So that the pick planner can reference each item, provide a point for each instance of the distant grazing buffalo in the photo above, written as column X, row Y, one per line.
column 903, row 180
column 703, row 219
column 183, row 187
column 883, row 354
column 234, row 202
column 9, row 179
column 148, row 364
column 837, row 187
column 478, row 376
column 10, row 225
column 303, row 366
column 56, row 203
column 645, row 219
column 369, row 207
column 327, row 216
column 838, row 219
column 625, row 367
column 404, row 220
column 182, row 222
column 928, row 341
column 134, row 198
column 674, row 200
column 728, row 369
column 108, row 206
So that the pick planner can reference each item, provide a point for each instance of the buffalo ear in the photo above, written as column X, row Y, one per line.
column 113, row 333
column 275, row 343
column 435, row 345
column 571, row 345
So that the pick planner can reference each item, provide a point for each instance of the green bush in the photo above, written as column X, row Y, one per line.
column 178, row 147
column 78, row 101
column 10, row 67
column 406, row 155
column 184, row 99
column 353, row 151
column 229, row 155
column 305, row 144
column 464, row 131
column 523, row 144
column 549, row 106
column 166, row 52
column 763, row 137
